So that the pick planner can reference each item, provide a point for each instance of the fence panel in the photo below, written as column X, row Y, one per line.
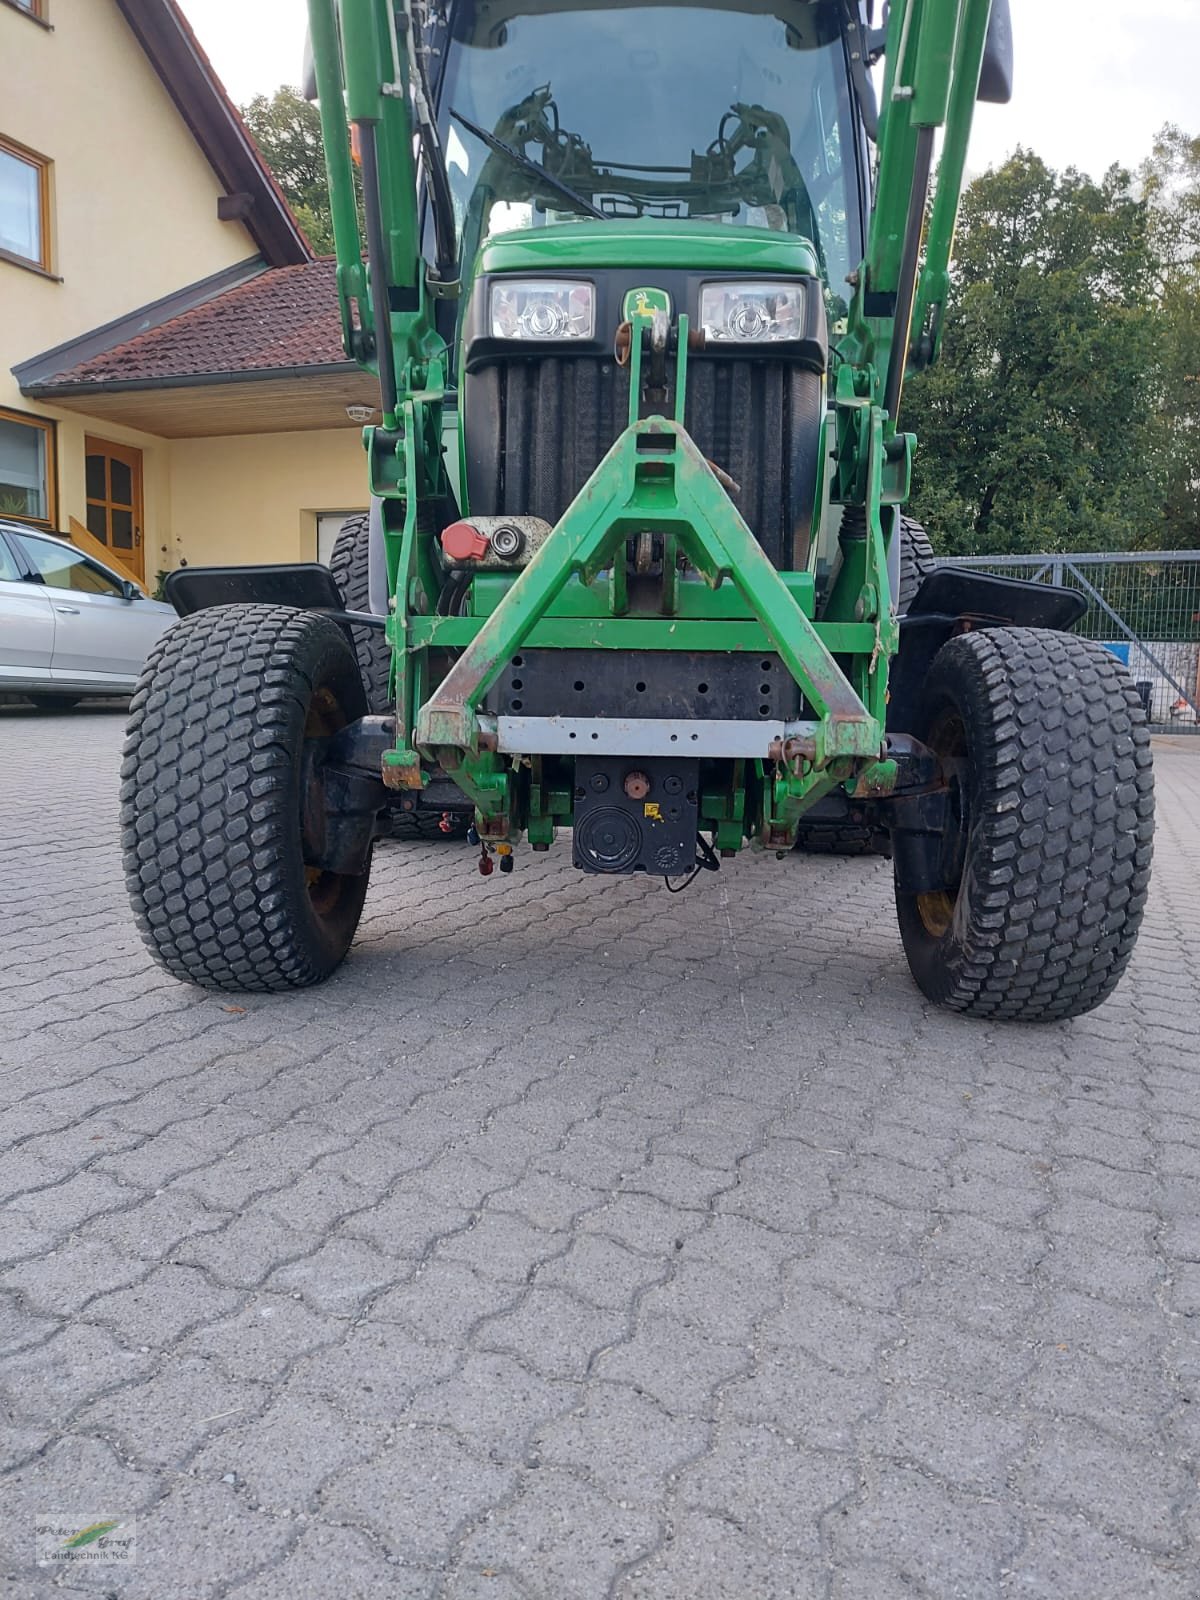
column 1143, row 606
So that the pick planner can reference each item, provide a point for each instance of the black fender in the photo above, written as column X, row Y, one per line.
column 304, row 584
column 953, row 598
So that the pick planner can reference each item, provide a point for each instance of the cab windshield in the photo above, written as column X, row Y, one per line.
column 731, row 115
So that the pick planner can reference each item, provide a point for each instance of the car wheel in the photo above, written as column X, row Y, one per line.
column 54, row 702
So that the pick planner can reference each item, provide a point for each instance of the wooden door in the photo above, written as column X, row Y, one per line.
column 114, row 500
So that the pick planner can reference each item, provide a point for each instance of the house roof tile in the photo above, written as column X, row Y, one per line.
column 286, row 317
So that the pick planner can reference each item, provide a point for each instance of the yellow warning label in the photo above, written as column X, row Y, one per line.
column 651, row 810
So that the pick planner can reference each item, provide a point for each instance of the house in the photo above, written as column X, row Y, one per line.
column 172, row 381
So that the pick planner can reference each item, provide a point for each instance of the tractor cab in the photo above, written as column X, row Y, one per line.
column 707, row 158
column 738, row 116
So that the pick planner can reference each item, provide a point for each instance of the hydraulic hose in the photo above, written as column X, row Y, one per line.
column 909, row 261
column 377, row 269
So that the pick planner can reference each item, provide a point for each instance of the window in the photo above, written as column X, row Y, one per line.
column 60, row 568
column 33, row 8
column 735, row 113
column 27, row 468
column 24, row 205
column 329, row 526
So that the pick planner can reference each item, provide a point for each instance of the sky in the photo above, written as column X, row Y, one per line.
column 1095, row 79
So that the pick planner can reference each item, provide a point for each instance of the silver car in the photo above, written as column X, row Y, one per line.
column 69, row 626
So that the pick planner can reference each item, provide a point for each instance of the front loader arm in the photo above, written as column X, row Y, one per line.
column 935, row 51
column 367, row 81
column 373, row 97
column 934, row 55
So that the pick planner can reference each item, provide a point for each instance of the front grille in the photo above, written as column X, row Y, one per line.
column 759, row 420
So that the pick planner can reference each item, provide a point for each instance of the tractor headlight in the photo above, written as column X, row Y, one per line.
column 752, row 313
column 536, row 308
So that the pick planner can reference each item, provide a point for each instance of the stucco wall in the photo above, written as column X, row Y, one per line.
column 256, row 497
column 133, row 215
column 134, row 202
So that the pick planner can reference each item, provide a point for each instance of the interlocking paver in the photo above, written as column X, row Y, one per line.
column 263, row 1339
column 197, row 1539
column 623, row 1441
column 164, row 1421
column 168, row 1302
column 560, row 1537
column 577, row 1240
column 710, row 1555
column 950, row 1541
column 553, row 1333
column 420, row 1494
column 372, row 1372
column 496, row 1402
column 363, row 1567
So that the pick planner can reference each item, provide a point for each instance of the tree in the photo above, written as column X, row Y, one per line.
column 287, row 129
column 1037, row 427
column 1171, row 184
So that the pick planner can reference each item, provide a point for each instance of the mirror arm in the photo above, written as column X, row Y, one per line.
column 859, row 44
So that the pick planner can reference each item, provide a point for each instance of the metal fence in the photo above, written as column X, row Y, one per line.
column 1144, row 607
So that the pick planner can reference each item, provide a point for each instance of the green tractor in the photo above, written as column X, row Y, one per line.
column 641, row 286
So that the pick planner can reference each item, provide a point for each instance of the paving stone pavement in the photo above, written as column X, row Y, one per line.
column 580, row 1241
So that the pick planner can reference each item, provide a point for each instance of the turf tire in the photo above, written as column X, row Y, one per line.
column 917, row 561
column 211, row 793
column 837, row 839
column 817, row 838
column 348, row 563
column 425, row 827
column 1058, row 801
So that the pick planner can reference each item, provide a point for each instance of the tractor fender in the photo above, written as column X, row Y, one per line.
column 303, row 585
column 958, row 600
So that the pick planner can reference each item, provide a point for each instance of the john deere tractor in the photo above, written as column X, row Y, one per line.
column 641, row 285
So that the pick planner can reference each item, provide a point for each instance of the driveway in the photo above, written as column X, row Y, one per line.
column 580, row 1240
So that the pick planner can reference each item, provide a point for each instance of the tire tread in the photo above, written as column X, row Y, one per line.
column 348, row 562
column 210, row 836
column 1058, row 875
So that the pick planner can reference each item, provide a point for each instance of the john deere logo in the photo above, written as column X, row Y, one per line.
column 641, row 302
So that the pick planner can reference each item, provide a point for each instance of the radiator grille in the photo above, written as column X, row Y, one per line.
column 759, row 420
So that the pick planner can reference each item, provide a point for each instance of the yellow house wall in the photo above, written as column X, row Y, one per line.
column 133, row 213
column 256, row 497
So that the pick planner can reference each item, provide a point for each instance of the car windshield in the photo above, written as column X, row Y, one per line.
column 735, row 115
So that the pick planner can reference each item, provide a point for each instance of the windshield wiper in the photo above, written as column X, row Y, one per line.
column 530, row 165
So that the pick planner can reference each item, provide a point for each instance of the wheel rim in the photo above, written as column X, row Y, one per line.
column 936, row 910
column 948, row 740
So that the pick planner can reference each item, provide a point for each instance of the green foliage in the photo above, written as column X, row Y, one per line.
column 15, row 503
column 1040, row 428
column 1171, row 182
column 287, row 129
